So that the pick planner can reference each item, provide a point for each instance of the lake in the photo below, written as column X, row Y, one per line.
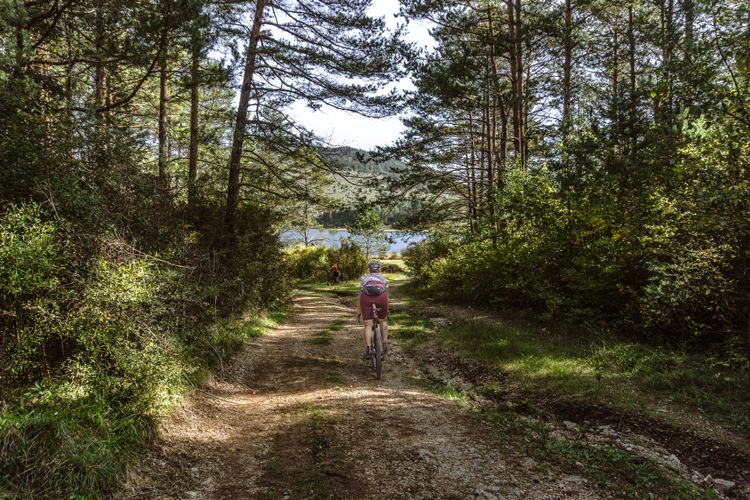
column 397, row 240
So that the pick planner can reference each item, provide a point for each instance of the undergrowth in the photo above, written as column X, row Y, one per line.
column 613, row 468
column 99, row 337
column 68, row 438
column 606, row 370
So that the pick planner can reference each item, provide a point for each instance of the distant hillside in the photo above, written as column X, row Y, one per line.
column 354, row 184
column 357, row 160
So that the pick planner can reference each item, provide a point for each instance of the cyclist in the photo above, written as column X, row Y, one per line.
column 373, row 289
column 335, row 274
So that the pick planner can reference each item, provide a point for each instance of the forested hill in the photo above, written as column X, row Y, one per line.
column 356, row 178
column 358, row 161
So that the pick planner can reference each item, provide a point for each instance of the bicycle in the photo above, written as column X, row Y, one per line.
column 376, row 355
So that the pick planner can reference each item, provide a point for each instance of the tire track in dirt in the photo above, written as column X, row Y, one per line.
column 290, row 418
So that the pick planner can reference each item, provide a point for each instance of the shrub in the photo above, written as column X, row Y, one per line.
column 352, row 261
column 391, row 267
column 29, row 255
column 98, row 346
column 309, row 262
column 31, row 265
column 418, row 255
column 315, row 262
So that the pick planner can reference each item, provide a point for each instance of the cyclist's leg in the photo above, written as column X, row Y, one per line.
column 383, row 313
column 368, row 333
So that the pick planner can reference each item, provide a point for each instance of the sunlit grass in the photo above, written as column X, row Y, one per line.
column 446, row 392
column 633, row 376
column 253, row 327
column 342, row 289
column 325, row 337
column 403, row 325
column 608, row 467
column 71, row 438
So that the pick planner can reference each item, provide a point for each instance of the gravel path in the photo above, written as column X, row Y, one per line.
column 293, row 417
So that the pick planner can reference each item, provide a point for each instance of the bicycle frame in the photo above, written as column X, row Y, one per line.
column 377, row 342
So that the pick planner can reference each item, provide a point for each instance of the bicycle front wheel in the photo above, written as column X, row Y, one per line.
column 377, row 343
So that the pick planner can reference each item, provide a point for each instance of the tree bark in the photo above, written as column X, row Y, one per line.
column 516, row 70
column 20, row 46
column 233, row 188
column 633, row 104
column 473, row 170
column 99, row 71
column 689, row 9
column 615, row 107
column 497, row 157
column 194, row 101
column 566, row 83
column 163, row 138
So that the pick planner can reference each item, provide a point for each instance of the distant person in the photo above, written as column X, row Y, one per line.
column 335, row 274
column 373, row 289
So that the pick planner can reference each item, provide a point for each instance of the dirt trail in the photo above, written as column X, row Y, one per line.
column 291, row 417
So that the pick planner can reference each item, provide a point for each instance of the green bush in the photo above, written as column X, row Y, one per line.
column 418, row 255
column 671, row 260
column 391, row 267
column 352, row 261
column 31, row 267
column 315, row 262
column 309, row 262
column 97, row 347
column 29, row 255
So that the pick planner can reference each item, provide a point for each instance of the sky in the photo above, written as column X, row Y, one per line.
column 349, row 129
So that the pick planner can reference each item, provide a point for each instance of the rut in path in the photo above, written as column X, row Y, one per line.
column 294, row 417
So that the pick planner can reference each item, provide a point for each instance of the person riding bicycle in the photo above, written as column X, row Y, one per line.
column 373, row 289
column 335, row 274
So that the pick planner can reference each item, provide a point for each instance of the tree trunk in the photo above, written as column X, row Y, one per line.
column 615, row 108
column 497, row 156
column 473, row 170
column 488, row 154
column 194, row 100
column 689, row 9
column 503, row 149
column 20, row 46
column 516, row 70
column 566, row 83
column 163, row 139
column 233, row 188
column 100, row 144
column 633, row 104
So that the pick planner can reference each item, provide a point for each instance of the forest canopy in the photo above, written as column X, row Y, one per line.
column 148, row 164
column 597, row 156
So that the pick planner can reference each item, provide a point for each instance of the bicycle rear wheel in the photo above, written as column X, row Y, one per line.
column 377, row 343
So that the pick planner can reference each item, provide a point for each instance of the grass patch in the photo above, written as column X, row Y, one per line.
column 445, row 391
column 346, row 288
column 403, row 325
column 622, row 472
column 343, row 289
column 325, row 337
column 321, row 338
column 632, row 376
column 618, row 470
column 313, row 416
column 316, row 484
column 252, row 327
column 72, row 437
